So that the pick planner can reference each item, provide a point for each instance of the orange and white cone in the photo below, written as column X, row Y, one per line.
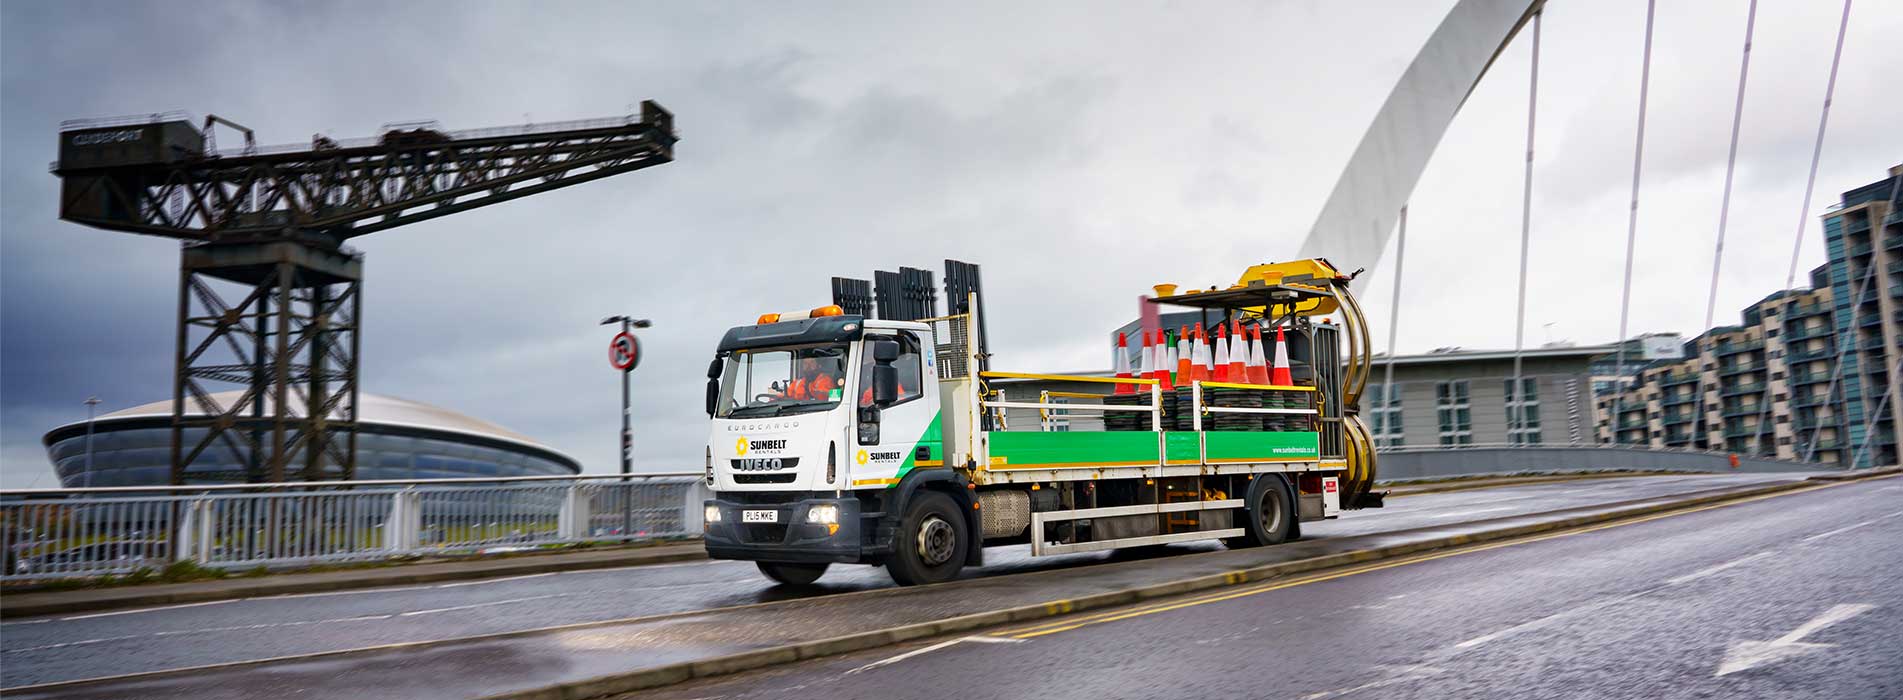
column 1198, row 356
column 1281, row 375
column 1238, row 354
column 1222, row 352
column 1258, row 363
column 1182, row 355
column 1123, row 365
column 1145, row 359
column 1162, row 351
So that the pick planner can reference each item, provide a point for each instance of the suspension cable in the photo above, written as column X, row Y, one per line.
column 1632, row 223
column 1394, row 324
column 1703, row 424
column 1516, row 401
column 1810, row 184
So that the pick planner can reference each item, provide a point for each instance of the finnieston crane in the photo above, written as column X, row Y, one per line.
column 274, row 221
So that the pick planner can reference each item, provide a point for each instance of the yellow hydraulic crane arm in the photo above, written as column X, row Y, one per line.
column 1330, row 287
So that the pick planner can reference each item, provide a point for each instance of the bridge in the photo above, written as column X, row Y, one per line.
column 1528, row 567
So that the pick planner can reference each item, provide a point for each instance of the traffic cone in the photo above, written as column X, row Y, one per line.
column 1280, row 374
column 1222, row 352
column 1238, row 354
column 1123, row 365
column 1258, row 364
column 1183, row 357
column 1145, row 360
column 1162, row 351
column 1208, row 360
column 1198, row 356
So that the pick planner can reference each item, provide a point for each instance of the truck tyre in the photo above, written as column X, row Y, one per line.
column 1268, row 513
column 931, row 541
column 791, row 574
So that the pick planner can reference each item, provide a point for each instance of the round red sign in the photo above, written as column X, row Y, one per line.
column 624, row 352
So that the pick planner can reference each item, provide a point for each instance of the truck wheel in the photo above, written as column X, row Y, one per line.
column 931, row 541
column 1269, row 515
column 791, row 574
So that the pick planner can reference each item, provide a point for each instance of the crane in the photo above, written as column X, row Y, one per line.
column 274, row 222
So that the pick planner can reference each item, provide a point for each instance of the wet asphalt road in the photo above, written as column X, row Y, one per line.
column 1790, row 596
column 92, row 645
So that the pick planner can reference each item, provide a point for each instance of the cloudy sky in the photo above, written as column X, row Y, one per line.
column 1079, row 151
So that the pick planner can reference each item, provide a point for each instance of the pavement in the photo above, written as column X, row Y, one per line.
column 652, row 615
column 1792, row 595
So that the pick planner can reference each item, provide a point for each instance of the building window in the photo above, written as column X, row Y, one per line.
column 1455, row 413
column 1386, row 415
column 1523, row 411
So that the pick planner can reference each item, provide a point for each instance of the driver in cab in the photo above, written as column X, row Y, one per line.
column 817, row 380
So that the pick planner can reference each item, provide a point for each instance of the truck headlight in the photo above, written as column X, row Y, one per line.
column 823, row 513
column 713, row 514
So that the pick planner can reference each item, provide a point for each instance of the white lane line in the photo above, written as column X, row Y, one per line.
column 482, row 605
column 1708, row 571
column 929, row 649
column 40, row 621
column 175, row 633
column 651, row 566
column 1892, row 515
column 495, row 580
column 1397, row 675
column 356, row 591
column 146, row 610
column 1838, row 531
column 1474, row 511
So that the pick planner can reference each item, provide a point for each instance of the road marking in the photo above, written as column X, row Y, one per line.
column 929, row 649
column 1746, row 655
column 1474, row 511
column 175, row 633
column 483, row 605
column 355, row 591
column 495, row 580
column 1068, row 624
column 1838, row 531
column 1400, row 674
column 147, row 610
column 1708, row 571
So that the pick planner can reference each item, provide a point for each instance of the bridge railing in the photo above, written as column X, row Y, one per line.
column 58, row 533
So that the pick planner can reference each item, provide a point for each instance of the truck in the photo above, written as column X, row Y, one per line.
column 838, row 438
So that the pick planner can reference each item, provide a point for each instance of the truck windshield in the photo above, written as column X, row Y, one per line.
column 765, row 382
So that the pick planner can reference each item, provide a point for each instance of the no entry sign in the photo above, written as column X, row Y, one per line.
column 624, row 352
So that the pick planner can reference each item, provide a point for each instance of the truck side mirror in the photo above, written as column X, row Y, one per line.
column 713, row 370
column 885, row 384
column 885, row 352
column 713, row 396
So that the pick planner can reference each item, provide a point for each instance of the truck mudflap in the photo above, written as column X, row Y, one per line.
column 784, row 532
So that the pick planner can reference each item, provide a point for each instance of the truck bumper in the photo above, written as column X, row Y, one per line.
column 790, row 538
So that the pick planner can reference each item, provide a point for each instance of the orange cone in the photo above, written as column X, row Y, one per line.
column 1123, row 365
column 1198, row 356
column 1280, row 374
column 1183, row 357
column 1238, row 354
column 1162, row 351
column 1258, row 362
column 1222, row 352
column 1146, row 360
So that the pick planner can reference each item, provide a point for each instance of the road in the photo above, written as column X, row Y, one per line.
column 1789, row 596
column 66, row 648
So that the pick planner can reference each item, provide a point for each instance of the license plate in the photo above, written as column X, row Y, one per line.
column 759, row 516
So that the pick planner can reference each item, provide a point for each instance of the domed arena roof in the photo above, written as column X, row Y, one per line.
column 376, row 414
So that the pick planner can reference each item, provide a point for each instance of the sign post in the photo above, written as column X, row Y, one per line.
column 624, row 352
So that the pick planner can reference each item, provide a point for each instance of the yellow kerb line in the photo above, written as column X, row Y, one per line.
column 1113, row 616
column 1062, row 378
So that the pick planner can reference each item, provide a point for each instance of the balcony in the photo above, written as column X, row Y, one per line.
column 1677, row 418
column 1895, row 266
column 1739, row 368
column 1859, row 250
column 1677, row 399
column 1871, row 320
column 1872, row 343
column 1856, row 224
column 1739, row 431
column 1896, row 290
column 1806, row 310
column 1815, row 423
column 1677, row 378
column 1893, row 243
column 1795, row 356
column 1803, row 378
column 1742, row 389
column 1629, row 423
column 1735, row 348
column 1809, row 401
column 1796, row 334
column 1734, row 411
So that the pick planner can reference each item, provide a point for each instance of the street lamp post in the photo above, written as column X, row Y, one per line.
column 92, row 402
column 627, row 432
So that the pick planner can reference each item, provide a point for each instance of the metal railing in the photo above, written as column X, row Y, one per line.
column 54, row 533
